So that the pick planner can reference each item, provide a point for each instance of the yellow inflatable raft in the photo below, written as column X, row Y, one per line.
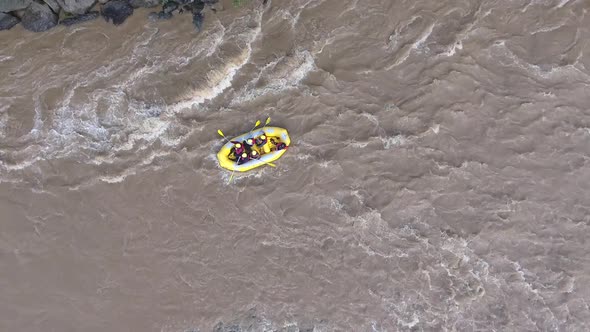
column 268, row 152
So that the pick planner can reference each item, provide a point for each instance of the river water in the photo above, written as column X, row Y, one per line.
column 438, row 178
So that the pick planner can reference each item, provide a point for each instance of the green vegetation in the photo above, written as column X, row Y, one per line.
column 238, row 3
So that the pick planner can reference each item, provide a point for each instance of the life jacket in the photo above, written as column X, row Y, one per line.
column 238, row 148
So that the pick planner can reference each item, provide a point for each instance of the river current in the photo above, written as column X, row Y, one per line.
column 438, row 177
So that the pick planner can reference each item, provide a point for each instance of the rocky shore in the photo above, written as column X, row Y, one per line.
column 42, row 15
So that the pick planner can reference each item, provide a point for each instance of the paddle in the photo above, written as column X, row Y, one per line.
column 256, row 125
column 267, row 122
column 222, row 135
column 232, row 173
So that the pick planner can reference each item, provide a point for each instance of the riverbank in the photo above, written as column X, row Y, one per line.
column 42, row 15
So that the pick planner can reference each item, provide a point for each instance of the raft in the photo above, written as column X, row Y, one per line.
column 277, row 134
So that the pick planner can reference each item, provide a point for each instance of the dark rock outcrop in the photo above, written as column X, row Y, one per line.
column 54, row 5
column 196, row 6
column 198, row 20
column 159, row 16
column 7, row 21
column 80, row 18
column 76, row 6
column 116, row 11
column 42, row 15
column 144, row 3
column 39, row 17
column 12, row 5
column 169, row 7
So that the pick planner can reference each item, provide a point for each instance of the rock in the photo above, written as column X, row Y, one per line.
column 76, row 6
column 195, row 7
column 159, row 16
column 12, row 5
column 55, row 7
column 144, row 3
column 169, row 7
column 7, row 21
column 198, row 20
column 39, row 17
column 116, row 11
column 164, row 16
column 80, row 18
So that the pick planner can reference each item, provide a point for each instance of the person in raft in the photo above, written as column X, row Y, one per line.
column 249, row 143
column 239, row 148
column 254, row 155
column 244, row 158
column 246, row 152
column 261, row 142
column 277, row 145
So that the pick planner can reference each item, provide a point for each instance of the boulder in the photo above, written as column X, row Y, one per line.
column 190, row 5
column 198, row 20
column 169, row 7
column 12, row 5
column 53, row 5
column 76, row 6
column 7, row 21
column 39, row 17
column 196, row 6
column 80, row 18
column 116, row 11
column 144, row 3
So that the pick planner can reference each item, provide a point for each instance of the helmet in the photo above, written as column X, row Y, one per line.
column 254, row 153
column 249, row 141
column 244, row 155
column 238, row 145
column 263, row 137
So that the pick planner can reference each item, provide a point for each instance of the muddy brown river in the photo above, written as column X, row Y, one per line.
column 438, row 177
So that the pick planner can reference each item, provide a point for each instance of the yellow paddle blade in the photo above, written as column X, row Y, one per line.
column 267, row 121
column 271, row 164
column 256, row 125
column 220, row 133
